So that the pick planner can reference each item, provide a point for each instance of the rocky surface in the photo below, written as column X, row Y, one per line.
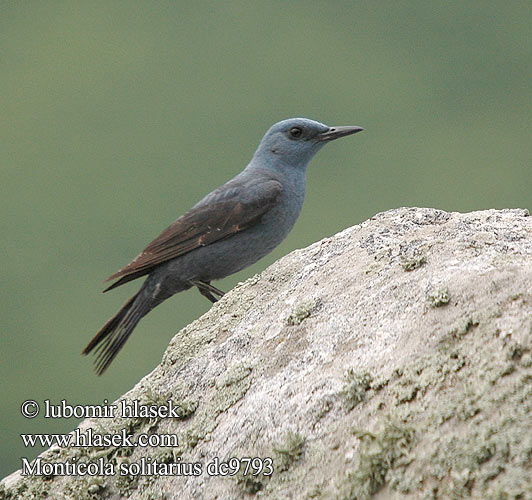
column 392, row 360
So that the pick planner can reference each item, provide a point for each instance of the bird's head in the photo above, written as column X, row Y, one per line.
column 296, row 140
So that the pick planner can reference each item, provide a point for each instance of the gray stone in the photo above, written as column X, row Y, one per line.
column 348, row 366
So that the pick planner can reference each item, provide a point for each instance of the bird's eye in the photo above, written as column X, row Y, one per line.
column 296, row 132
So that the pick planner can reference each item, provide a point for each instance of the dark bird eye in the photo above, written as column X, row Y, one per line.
column 296, row 132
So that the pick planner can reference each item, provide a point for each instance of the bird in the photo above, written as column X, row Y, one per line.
column 229, row 229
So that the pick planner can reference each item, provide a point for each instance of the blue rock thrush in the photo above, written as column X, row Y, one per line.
column 228, row 230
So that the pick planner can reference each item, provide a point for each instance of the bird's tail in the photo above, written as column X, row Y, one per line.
column 110, row 339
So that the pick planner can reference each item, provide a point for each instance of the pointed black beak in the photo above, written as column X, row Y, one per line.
column 337, row 132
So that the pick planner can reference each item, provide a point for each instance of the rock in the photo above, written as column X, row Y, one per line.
column 392, row 358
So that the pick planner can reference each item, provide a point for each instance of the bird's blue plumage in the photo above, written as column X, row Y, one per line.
column 229, row 229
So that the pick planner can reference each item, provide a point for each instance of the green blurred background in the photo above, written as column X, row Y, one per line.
column 118, row 116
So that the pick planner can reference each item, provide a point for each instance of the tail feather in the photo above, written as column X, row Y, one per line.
column 112, row 344
column 110, row 339
column 125, row 279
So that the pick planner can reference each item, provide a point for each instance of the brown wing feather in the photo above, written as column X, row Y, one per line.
column 200, row 226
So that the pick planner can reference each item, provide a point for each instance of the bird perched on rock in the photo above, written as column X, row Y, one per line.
column 229, row 229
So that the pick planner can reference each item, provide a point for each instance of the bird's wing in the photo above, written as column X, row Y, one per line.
column 199, row 227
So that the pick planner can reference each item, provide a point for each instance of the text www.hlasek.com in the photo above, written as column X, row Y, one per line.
column 79, row 439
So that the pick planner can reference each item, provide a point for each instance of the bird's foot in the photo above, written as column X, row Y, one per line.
column 207, row 290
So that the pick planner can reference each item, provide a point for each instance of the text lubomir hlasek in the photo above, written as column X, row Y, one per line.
column 131, row 409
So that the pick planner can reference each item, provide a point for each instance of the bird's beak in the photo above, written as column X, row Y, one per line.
column 336, row 132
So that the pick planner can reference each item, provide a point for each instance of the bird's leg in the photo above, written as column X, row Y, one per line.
column 206, row 285
column 207, row 294
column 207, row 290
